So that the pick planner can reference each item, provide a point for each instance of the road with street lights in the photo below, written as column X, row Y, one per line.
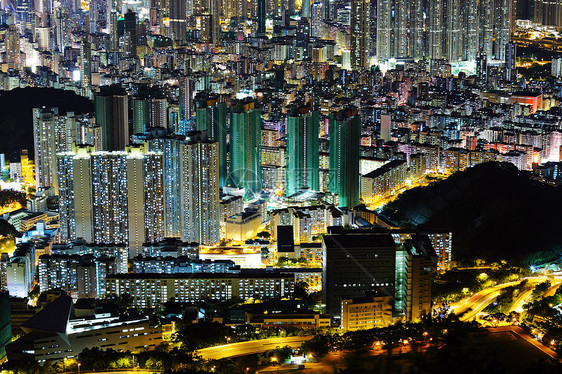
column 469, row 308
column 250, row 348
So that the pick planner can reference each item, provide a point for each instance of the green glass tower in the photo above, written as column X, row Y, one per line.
column 210, row 116
column 245, row 146
column 345, row 135
column 303, row 158
column 141, row 115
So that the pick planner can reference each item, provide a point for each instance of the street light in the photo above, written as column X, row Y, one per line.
column 79, row 364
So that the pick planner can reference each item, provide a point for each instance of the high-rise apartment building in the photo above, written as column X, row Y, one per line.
column 158, row 111
column 112, row 197
column 52, row 133
column 360, row 33
column 74, row 274
column 177, row 11
column 548, row 12
column 145, row 192
column 187, row 86
column 245, row 146
column 170, row 146
column 211, row 114
column 442, row 29
column 200, row 198
column 303, row 157
column 141, row 115
column 85, row 63
column 191, row 186
column 12, row 43
column 112, row 115
column 345, row 134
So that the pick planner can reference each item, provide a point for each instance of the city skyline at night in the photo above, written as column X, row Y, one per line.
column 228, row 186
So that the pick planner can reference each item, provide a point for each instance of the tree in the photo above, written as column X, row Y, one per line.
column 264, row 235
column 301, row 290
column 204, row 334
column 7, row 229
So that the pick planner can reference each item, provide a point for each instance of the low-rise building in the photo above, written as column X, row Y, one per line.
column 363, row 313
column 243, row 226
column 150, row 290
column 55, row 334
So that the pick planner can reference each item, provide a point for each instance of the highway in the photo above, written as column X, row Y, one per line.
column 250, row 348
column 462, row 306
column 552, row 290
column 479, row 305
column 521, row 300
column 482, row 299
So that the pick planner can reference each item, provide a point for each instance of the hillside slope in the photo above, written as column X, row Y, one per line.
column 494, row 211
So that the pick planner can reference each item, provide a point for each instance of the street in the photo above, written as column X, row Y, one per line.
column 250, row 348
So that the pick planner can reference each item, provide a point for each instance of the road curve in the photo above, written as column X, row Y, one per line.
column 250, row 348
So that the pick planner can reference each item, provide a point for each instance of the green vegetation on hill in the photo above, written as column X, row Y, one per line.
column 494, row 211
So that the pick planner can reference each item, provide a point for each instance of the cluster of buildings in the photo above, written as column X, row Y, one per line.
column 228, row 135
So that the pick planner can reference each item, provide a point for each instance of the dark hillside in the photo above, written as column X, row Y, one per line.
column 494, row 211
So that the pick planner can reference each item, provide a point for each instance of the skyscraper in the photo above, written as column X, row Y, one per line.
column 200, row 209
column 261, row 17
column 345, row 134
column 141, row 116
column 50, row 137
column 12, row 43
column 187, row 86
column 75, row 194
column 112, row 197
column 131, row 21
column 510, row 58
column 245, row 146
column 109, row 197
column 158, row 110
column 303, row 156
column 145, row 197
column 112, row 114
column 548, row 12
column 494, row 27
column 359, row 262
column 178, row 20
column 316, row 19
column 451, row 29
column 170, row 147
column 360, row 33
column 211, row 117
column 85, row 63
